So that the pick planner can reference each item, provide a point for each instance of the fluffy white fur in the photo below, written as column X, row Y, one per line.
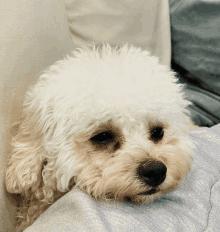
column 124, row 90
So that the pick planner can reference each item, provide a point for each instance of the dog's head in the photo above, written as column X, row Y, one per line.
column 112, row 121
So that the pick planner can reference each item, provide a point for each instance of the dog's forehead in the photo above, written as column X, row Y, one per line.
column 122, row 91
column 114, row 118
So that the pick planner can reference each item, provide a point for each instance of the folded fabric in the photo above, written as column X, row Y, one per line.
column 196, row 49
column 194, row 206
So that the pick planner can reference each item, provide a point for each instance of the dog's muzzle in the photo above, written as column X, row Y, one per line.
column 152, row 173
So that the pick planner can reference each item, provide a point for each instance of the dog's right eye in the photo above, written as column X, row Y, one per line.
column 157, row 134
column 103, row 138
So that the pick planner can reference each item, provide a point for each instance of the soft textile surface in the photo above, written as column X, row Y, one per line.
column 196, row 49
column 142, row 23
column 194, row 206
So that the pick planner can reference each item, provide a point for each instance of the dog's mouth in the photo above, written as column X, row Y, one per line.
column 149, row 192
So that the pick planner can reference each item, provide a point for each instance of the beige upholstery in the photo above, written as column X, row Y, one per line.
column 35, row 33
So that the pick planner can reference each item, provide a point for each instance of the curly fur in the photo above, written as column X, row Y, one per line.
column 124, row 90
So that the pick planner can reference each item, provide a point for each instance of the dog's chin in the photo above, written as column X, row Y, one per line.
column 137, row 199
column 145, row 198
column 150, row 195
column 152, row 191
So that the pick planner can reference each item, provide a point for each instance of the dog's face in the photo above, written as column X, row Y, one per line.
column 136, row 160
column 113, row 122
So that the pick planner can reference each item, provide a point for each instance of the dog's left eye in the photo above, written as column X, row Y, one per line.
column 103, row 138
column 157, row 134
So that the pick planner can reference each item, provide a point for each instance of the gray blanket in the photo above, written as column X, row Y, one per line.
column 195, row 32
column 193, row 207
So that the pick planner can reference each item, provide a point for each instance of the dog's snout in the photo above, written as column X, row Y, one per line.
column 153, row 173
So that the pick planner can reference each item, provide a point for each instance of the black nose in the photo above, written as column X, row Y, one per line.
column 153, row 173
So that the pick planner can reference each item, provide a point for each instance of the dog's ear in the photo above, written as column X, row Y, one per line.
column 42, row 148
column 25, row 163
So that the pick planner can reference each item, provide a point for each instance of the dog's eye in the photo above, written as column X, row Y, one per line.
column 103, row 138
column 157, row 133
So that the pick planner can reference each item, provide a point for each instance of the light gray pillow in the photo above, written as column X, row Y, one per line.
column 194, row 206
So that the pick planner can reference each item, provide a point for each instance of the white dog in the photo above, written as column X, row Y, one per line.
column 112, row 121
